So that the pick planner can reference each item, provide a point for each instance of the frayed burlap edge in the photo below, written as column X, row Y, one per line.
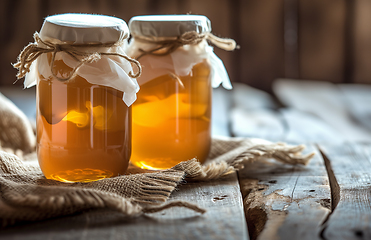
column 27, row 196
column 228, row 155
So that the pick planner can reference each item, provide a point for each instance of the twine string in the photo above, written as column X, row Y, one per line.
column 175, row 204
column 188, row 38
column 33, row 50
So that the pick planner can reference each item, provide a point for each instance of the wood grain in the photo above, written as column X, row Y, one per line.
column 257, row 114
column 349, row 166
column 261, row 57
column 321, row 39
column 362, row 39
column 325, row 101
column 357, row 98
column 286, row 202
column 224, row 219
column 254, row 114
column 306, row 127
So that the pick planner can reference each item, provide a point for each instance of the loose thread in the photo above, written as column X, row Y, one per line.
column 175, row 204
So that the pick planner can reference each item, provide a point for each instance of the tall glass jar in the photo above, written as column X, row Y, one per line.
column 172, row 115
column 84, row 94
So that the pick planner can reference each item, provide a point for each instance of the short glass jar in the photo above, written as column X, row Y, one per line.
column 85, row 89
column 172, row 115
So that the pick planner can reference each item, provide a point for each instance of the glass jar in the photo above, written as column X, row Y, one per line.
column 83, row 106
column 172, row 115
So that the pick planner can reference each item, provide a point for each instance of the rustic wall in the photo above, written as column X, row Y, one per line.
column 326, row 40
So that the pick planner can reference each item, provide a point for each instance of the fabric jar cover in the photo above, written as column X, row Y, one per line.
column 76, row 29
column 168, row 27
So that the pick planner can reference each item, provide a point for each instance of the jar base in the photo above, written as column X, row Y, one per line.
column 154, row 164
column 80, row 175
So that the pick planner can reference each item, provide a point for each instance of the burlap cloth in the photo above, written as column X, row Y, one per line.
column 26, row 195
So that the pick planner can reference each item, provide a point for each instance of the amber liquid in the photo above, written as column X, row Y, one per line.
column 171, row 119
column 83, row 130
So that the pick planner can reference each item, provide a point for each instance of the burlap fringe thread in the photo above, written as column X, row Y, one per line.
column 33, row 50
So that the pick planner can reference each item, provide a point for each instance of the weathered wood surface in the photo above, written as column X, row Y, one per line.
column 361, row 46
column 224, row 219
column 286, row 202
column 280, row 201
column 350, row 174
column 325, row 101
column 322, row 54
column 358, row 102
column 304, row 127
column 257, row 114
column 283, row 202
column 254, row 114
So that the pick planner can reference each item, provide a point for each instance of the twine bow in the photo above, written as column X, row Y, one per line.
column 187, row 38
column 33, row 50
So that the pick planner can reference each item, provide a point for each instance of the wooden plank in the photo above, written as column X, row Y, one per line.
column 257, row 123
column 324, row 100
column 291, row 17
column 358, row 99
column 286, row 202
column 362, row 38
column 321, row 53
column 315, row 112
column 246, row 97
column 22, row 19
column 349, row 171
column 304, row 127
column 257, row 114
column 224, row 219
column 254, row 114
column 261, row 57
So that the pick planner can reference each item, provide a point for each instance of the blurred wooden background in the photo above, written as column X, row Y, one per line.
column 327, row 40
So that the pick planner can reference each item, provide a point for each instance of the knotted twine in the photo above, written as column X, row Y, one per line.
column 165, row 47
column 33, row 50
column 26, row 195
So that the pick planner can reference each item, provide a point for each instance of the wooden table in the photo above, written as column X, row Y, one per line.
column 328, row 199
